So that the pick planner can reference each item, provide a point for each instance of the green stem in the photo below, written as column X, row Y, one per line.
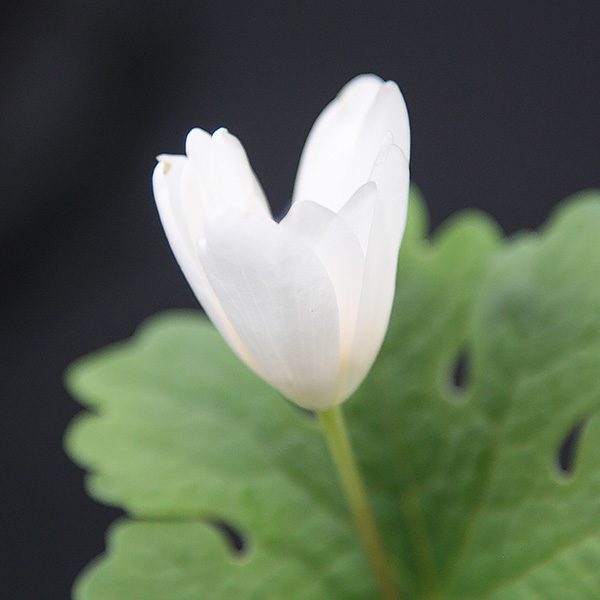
column 345, row 462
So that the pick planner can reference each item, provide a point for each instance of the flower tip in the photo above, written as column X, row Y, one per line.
column 196, row 142
column 390, row 156
column 387, row 140
column 386, row 145
column 390, row 85
column 221, row 132
column 364, row 79
column 163, row 161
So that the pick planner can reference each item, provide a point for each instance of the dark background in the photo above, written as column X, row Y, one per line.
column 504, row 100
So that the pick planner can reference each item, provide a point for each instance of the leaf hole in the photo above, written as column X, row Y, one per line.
column 233, row 536
column 460, row 370
column 567, row 451
column 459, row 374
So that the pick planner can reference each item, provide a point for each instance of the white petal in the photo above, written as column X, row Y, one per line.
column 391, row 174
column 345, row 140
column 338, row 248
column 218, row 174
column 279, row 298
column 166, row 181
column 386, row 113
column 358, row 212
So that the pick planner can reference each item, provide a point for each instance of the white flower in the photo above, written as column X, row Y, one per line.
column 306, row 302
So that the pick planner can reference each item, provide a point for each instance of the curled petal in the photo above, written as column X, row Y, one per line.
column 391, row 175
column 179, row 226
column 338, row 248
column 358, row 212
column 280, row 300
column 166, row 183
column 345, row 140
column 217, row 174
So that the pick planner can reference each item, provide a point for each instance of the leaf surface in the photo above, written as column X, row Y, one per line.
column 464, row 480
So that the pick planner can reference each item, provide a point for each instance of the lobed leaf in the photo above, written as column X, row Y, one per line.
column 464, row 479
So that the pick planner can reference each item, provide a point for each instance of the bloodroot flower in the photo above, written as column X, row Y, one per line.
column 305, row 302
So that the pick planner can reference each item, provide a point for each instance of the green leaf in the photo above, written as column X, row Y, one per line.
column 465, row 481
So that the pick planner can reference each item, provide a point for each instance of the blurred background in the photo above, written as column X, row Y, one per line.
column 504, row 100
